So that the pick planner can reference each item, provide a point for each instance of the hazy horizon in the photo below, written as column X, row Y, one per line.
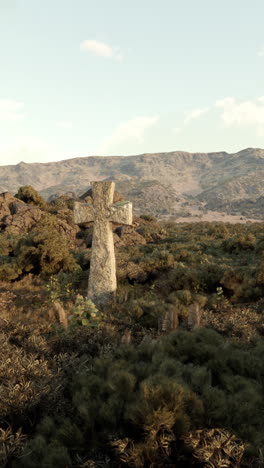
column 109, row 79
column 130, row 155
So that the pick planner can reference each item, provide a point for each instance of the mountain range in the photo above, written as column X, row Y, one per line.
column 181, row 185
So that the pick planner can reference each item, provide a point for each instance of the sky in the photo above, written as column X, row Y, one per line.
column 123, row 77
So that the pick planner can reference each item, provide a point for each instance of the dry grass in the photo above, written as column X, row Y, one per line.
column 11, row 444
column 24, row 300
column 241, row 323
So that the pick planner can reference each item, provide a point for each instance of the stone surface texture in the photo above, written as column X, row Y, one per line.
column 169, row 321
column 195, row 316
column 102, row 279
column 19, row 218
column 127, row 235
column 16, row 217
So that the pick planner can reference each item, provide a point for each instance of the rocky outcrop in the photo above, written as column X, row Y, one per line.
column 19, row 218
column 127, row 235
column 66, row 223
column 162, row 184
column 16, row 217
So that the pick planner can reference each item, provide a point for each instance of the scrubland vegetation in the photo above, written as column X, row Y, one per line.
column 82, row 387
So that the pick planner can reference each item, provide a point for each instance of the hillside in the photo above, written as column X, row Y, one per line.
column 177, row 184
column 169, row 374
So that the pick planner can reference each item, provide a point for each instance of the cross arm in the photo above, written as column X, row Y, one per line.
column 121, row 213
column 83, row 213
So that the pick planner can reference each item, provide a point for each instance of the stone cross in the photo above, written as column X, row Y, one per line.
column 103, row 212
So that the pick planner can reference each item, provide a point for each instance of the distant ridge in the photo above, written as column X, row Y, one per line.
column 165, row 184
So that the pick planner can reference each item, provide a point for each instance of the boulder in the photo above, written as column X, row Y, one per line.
column 16, row 217
column 128, row 236
column 66, row 223
column 19, row 218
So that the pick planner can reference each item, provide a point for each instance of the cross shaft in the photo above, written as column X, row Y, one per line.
column 102, row 279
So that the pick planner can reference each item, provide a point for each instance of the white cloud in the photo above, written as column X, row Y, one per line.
column 261, row 51
column 10, row 110
column 194, row 114
column 64, row 124
column 102, row 49
column 190, row 115
column 242, row 113
column 128, row 132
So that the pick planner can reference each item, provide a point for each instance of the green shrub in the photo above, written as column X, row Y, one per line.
column 85, row 313
column 141, row 403
column 29, row 195
column 183, row 382
column 62, row 202
column 4, row 245
column 10, row 271
column 45, row 250
column 239, row 242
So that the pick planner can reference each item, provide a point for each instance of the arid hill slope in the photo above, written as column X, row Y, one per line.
column 165, row 184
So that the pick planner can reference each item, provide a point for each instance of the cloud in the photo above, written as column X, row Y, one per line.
column 261, row 51
column 101, row 49
column 10, row 110
column 64, row 124
column 233, row 112
column 194, row 114
column 242, row 113
column 128, row 132
column 190, row 115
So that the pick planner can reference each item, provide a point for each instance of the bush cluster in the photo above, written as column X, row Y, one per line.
column 147, row 399
column 78, row 398
column 45, row 250
column 30, row 196
column 201, row 258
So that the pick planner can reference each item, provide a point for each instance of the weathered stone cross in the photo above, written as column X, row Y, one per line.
column 102, row 279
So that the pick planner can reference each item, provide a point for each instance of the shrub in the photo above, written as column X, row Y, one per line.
column 45, row 250
column 63, row 202
column 167, row 401
column 148, row 217
column 10, row 271
column 4, row 245
column 153, row 396
column 85, row 313
column 29, row 195
column 239, row 242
